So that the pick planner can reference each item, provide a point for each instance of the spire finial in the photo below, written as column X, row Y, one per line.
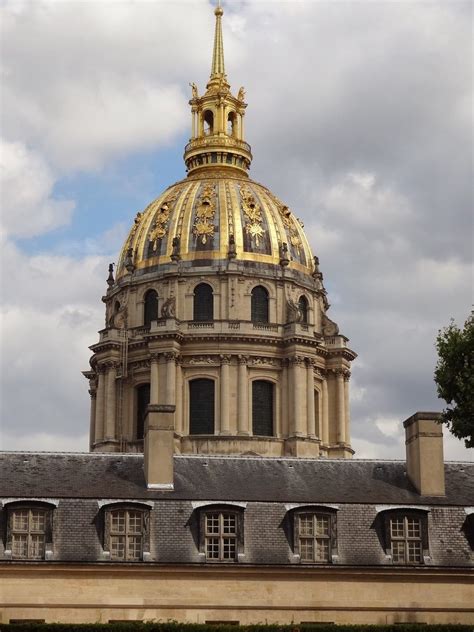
column 218, row 70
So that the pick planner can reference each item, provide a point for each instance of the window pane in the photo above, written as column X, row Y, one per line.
column 117, row 547
column 37, row 520
column 306, row 524
column 413, row 528
column 212, row 548
column 259, row 305
column 398, row 551
column 307, row 549
column 262, row 408
column 201, row 406
column 322, row 525
column 322, row 550
column 37, row 546
column 203, row 303
column 134, row 547
column 20, row 545
column 414, row 551
column 212, row 523
column 143, row 399
column 135, row 522
column 117, row 523
column 20, row 520
column 396, row 527
column 229, row 524
column 228, row 549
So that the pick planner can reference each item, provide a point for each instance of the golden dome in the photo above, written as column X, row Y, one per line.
column 217, row 214
column 201, row 221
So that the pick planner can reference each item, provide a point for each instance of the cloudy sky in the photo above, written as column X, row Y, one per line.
column 359, row 119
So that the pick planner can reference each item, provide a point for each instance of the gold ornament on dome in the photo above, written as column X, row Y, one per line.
column 293, row 235
column 160, row 223
column 253, row 213
column 204, row 228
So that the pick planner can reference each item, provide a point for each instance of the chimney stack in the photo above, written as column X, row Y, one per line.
column 424, row 453
column 159, row 446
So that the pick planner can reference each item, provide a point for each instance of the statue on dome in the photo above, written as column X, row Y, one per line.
column 241, row 94
column 232, row 253
column 168, row 308
column 194, row 90
column 293, row 311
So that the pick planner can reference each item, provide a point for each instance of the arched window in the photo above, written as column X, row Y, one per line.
column 208, row 123
column 151, row 308
column 231, row 124
column 203, row 303
column 259, row 305
column 143, row 399
column 303, row 307
column 201, row 406
column 262, row 408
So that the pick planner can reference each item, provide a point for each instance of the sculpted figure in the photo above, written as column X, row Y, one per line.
column 168, row 308
column 194, row 90
column 329, row 327
column 241, row 94
column 293, row 312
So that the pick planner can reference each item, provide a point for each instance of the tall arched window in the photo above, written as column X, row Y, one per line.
column 201, row 406
column 231, row 124
column 151, row 308
column 203, row 303
column 143, row 399
column 303, row 307
column 262, row 408
column 259, row 305
column 208, row 123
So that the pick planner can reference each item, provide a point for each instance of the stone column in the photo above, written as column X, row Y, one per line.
column 310, row 398
column 225, row 399
column 110, row 402
column 243, row 412
column 100, row 405
column 170, row 378
column 284, row 398
column 298, row 387
column 179, row 398
column 347, row 412
column 340, row 437
column 325, row 407
column 154, row 371
column 93, row 394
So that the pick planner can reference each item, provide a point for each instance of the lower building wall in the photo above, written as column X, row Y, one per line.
column 101, row 593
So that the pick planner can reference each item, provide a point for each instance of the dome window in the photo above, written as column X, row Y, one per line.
column 203, row 303
column 208, row 123
column 262, row 408
column 201, row 406
column 232, row 124
column 259, row 305
column 151, row 308
column 303, row 307
column 143, row 399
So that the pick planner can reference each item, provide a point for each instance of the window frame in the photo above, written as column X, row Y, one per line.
column 147, row 307
column 331, row 537
column 255, row 308
column 405, row 515
column 273, row 406
column 221, row 511
column 199, row 306
column 109, row 532
column 190, row 381
column 30, row 532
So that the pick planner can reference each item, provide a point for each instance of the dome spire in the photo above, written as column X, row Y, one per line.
column 217, row 137
column 218, row 69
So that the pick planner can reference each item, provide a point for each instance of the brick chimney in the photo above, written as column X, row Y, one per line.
column 159, row 446
column 424, row 450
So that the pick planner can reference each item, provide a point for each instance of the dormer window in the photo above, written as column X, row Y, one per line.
column 406, row 536
column 315, row 535
column 126, row 533
column 29, row 532
column 221, row 533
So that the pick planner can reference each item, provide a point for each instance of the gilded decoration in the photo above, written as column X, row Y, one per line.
column 253, row 215
column 162, row 217
column 203, row 228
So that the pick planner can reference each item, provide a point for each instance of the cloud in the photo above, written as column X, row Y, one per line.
column 28, row 205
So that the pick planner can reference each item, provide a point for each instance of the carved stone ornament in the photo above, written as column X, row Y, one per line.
column 168, row 309
column 162, row 216
column 262, row 361
column 293, row 312
column 329, row 327
column 203, row 360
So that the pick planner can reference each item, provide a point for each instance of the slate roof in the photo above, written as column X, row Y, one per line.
column 78, row 475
